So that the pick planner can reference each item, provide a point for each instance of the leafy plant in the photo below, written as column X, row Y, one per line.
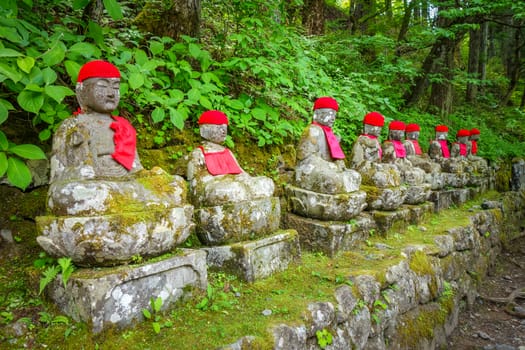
column 324, row 338
column 154, row 315
column 219, row 294
column 65, row 267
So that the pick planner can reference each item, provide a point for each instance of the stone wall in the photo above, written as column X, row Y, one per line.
column 416, row 304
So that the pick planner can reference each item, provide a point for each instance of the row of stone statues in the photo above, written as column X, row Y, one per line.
column 105, row 208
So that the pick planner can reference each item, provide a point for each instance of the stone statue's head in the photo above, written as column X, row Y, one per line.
column 441, row 132
column 396, row 130
column 213, row 126
column 463, row 135
column 98, row 87
column 474, row 134
column 325, row 110
column 373, row 123
column 412, row 131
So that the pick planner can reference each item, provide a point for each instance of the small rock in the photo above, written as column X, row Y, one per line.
column 267, row 312
column 484, row 335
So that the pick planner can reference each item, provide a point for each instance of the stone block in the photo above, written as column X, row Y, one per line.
column 330, row 237
column 391, row 220
column 339, row 207
column 254, row 260
column 420, row 212
column 442, row 199
column 116, row 296
column 237, row 222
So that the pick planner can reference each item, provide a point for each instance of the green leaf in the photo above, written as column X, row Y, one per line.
column 3, row 163
column 146, row 313
column 156, row 47
column 4, row 113
column 10, row 72
column 28, row 151
column 25, row 63
column 10, row 34
column 205, row 102
column 113, row 8
column 49, row 76
column 49, row 275
column 18, row 173
column 156, row 327
column 195, row 50
column 84, row 49
column 67, row 269
column 60, row 319
column 95, row 32
column 157, row 304
column 55, row 54
column 58, row 93
column 136, row 80
column 30, row 101
column 177, row 118
column 72, row 69
column 80, row 4
column 44, row 135
column 4, row 144
column 4, row 52
column 259, row 114
column 235, row 104
column 158, row 115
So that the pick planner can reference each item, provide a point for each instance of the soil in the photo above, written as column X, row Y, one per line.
column 496, row 325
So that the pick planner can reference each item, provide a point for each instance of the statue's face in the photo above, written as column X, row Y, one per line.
column 397, row 135
column 214, row 132
column 372, row 130
column 441, row 135
column 463, row 139
column 325, row 116
column 474, row 137
column 414, row 135
column 99, row 94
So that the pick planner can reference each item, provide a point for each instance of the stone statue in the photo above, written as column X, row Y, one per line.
column 232, row 205
column 438, row 149
column 394, row 152
column 382, row 180
column 104, row 207
column 461, row 148
column 453, row 168
column 322, row 181
column 474, row 138
column 421, row 160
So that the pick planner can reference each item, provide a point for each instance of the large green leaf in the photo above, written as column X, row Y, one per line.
column 95, row 32
column 55, row 54
column 3, row 163
column 86, row 50
column 10, row 72
column 49, row 76
column 25, row 63
column 58, row 93
column 158, row 115
column 136, row 80
column 4, row 52
column 30, row 101
column 4, row 144
column 3, row 113
column 177, row 118
column 18, row 173
column 113, row 8
column 80, row 4
column 28, row 151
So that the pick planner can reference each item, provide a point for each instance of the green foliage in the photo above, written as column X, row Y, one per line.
column 155, row 315
column 65, row 267
column 220, row 293
column 324, row 338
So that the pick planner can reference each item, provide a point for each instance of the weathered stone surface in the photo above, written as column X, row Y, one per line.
column 417, row 194
column 289, row 338
column 257, row 259
column 117, row 296
column 389, row 198
column 238, row 221
column 315, row 205
column 517, row 181
column 390, row 220
column 107, row 240
column 330, row 237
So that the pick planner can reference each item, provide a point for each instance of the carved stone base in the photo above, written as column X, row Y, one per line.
column 117, row 296
column 389, row 198
column 254, row 260
column 321, row 206
column 330, row 237
column 400, row 219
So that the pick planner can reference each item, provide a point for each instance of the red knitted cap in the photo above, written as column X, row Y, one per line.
column 441, row 128
column 396, row 125
column 97, row 69
column 474, row 131
column 213, row 117
column 326, row 102
column 463, row 132
column 412, row 128
column 374, row 118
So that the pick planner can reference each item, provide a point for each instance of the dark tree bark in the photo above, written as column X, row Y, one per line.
column 93, row 11
column 406, row 20
column 313, row 16
column 361, row 11
column 513, row 68
column 473, row 63
column 170, row 18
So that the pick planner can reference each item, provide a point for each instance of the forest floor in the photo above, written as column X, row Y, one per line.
column 487, row 324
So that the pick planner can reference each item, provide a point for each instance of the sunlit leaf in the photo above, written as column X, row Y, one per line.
column 58, row 93
column 158, row 115
column 55, row 54
column 30, row 101
column 18, row 173
column 3, row 163
column 25, row 63
column 4, row 52
column 113, row 8
column 177, row 118
column 28, row 151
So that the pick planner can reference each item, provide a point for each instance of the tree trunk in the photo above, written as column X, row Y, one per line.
column 171, row 18
column 406, row 20
column 388, row 9
column 313, row 16
column 513, row 68
column 93, row 11
column 473, row 63
column 361, row 11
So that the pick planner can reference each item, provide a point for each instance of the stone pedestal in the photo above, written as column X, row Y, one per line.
column 400, row 219
column 330, row 237
column 253, row 260
column 117, row 296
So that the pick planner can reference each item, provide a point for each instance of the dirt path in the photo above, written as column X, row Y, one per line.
column 487, row 325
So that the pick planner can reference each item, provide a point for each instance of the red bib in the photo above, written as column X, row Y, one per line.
column 417, row 148
column 463, row 149
column 125, row 139
column 220, row 163
column 399, row 148
column 473, row 147
column 333, row 144
column 444, row 148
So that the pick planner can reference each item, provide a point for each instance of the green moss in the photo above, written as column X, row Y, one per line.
column 420, row 263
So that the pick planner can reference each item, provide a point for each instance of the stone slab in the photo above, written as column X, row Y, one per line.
column 116, row 296
column 391, row 220
column 330, row 237
column 254, row 260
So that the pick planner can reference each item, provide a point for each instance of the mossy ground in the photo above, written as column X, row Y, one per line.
column 235, row 308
